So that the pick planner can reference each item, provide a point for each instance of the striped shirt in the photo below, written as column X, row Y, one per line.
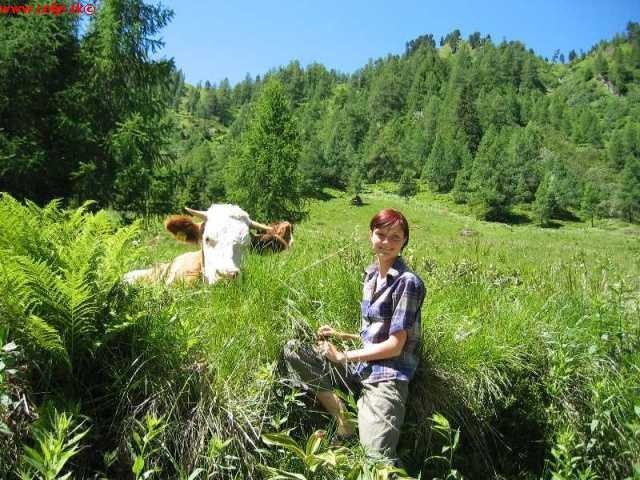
column 392, row 307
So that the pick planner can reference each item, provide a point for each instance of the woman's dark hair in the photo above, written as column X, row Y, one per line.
column 389, row 217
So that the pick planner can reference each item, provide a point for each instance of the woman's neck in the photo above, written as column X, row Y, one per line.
column 384, row 265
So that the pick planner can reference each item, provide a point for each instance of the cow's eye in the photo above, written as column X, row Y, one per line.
column 210, row 242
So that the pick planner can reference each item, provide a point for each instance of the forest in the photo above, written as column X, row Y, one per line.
column 531, row 330
column 95, row 116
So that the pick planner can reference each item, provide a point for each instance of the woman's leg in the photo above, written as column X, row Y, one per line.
column 381, row 409
column 335, row 406
column 314, row 371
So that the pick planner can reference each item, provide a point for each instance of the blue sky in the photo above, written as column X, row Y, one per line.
column 211, row 40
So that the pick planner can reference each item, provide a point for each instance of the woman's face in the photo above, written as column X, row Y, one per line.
column 388, row 241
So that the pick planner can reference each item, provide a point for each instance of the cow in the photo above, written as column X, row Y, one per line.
column 222, row 235
column 279, row 237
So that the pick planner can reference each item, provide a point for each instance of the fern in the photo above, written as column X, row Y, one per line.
column 46, row 337
column 60, row 270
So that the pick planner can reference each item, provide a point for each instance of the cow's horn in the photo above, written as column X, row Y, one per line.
column 197, row 213
column 258, row 226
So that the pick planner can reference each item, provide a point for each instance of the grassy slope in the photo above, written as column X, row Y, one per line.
column 496, row 302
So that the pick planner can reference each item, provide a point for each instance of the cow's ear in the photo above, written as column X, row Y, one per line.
column 183, row 228
column 287, row 231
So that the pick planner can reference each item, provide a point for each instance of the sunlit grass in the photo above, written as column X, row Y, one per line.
column 500, row 299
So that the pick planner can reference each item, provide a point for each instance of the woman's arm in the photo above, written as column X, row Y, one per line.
column 390, row 348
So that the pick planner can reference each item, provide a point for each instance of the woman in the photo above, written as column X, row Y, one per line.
column 390, row 334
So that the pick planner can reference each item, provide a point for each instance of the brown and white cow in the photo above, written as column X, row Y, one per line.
column 223, row 236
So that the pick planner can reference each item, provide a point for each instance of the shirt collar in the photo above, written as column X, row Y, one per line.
column 398, row 267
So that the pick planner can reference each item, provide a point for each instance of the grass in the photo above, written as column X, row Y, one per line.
column 495, row 300
column 530, row 344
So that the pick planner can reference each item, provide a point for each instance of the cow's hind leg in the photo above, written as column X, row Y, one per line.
column 153, row 274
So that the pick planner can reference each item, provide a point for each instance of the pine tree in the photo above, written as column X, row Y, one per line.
column 529, row 78
column 356, row 181
column 628, row 195
column 447, row 156
column 586, row 127
column 263, row 178
column 468, row 118
column 600, row 65
column 616, row 151
column 524, row 152
column 489, row 184
column 545, row 202
column 407, row 186
column 591, row 197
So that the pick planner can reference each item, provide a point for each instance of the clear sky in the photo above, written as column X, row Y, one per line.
column 211, row 40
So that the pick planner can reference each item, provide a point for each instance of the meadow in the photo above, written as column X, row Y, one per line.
column 530, row 356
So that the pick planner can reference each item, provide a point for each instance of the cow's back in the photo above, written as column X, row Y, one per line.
column 185, row 268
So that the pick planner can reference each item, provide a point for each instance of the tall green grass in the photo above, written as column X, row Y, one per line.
column 530, row 345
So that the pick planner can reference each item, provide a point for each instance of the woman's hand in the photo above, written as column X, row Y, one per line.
column 331, row 353
column 326, row 331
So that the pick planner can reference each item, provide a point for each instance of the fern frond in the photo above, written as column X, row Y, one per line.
column 23, row 228
column 119, row 255
column 80, row 310
column 40, row 278
column 46, row 337
column 15, row 298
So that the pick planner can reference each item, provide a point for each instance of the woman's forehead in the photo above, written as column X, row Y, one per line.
column 392, row 229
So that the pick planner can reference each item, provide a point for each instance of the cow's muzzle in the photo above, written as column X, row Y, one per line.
column 228, row 274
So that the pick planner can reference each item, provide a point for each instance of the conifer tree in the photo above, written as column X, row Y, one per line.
column 616, row 151
column 447, row 156
column 407, row 186
column 545, row 203
column 600, row 65
column 356, row 181
column 489, row 184
column 468, row 118
column 591, row 198
column 529, row 77
column 628, row 195
column 524, row 152
column 263, row 178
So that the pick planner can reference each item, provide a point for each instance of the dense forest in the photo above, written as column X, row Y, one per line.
column 96, row 116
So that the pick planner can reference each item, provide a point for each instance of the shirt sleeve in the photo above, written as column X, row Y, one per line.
column 410, row 296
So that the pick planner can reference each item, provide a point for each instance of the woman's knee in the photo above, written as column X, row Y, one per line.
column 291, row 349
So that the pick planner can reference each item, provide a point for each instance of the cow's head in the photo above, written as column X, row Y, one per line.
column 223, row 235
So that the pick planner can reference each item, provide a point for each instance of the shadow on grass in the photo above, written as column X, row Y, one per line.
column 508, row 441
column 321, row 195
column 430, row 393
column 512, row 219
column 551, row 225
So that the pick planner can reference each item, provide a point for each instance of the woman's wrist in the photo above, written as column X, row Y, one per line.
column 344, row 358
column 348, row 356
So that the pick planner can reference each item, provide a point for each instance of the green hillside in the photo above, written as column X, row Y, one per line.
column 530, row 346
